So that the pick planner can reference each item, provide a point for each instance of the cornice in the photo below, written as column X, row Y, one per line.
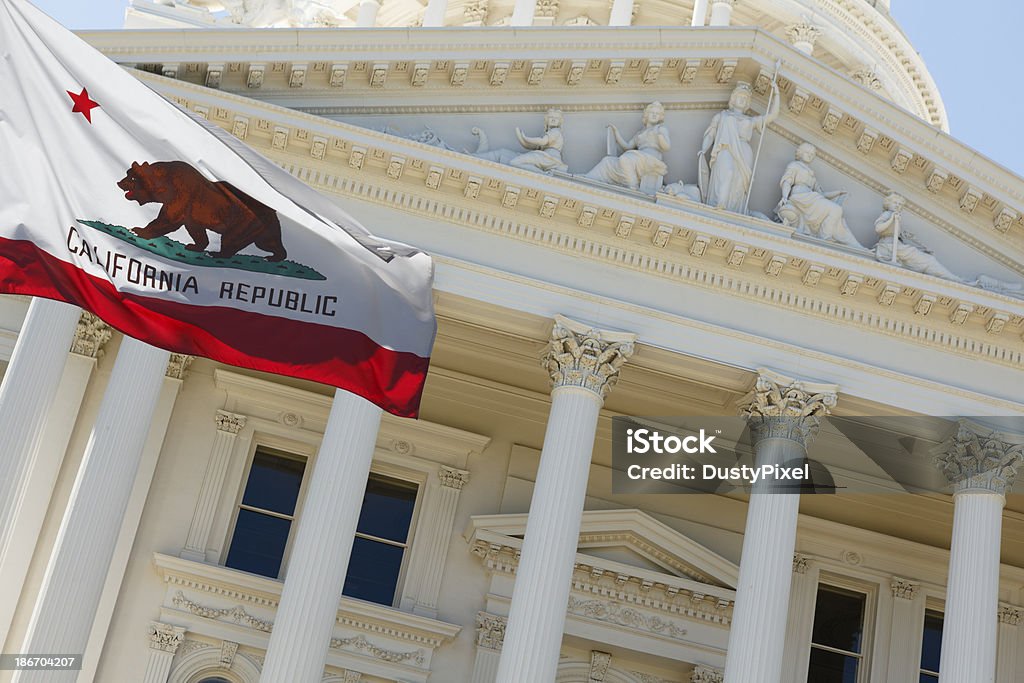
column 474, row 193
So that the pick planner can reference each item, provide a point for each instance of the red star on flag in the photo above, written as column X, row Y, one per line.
column 83, row 105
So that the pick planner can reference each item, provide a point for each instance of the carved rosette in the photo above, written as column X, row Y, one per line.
column 165, row 637
column 706, row 674
column 781, row 407
column 580, row 356
column 91, row 335
column 453, row 478
column 229, row 423
column 490, row 630
column 975, row 458
column 902, row 588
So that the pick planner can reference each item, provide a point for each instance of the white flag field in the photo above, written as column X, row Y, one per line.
column 175, row 233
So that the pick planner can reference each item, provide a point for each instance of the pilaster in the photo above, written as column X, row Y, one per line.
column 490, row 636
column 228, row 426
column 1008, row 639
column 803, row 590
column 905, row 634
column 164, row 640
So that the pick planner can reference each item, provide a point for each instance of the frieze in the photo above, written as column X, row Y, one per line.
column 361, row 644
column 613, row 612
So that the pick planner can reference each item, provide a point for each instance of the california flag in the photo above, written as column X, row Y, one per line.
column 175, row 233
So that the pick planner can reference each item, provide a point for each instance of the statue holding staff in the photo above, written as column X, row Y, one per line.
column 726, row 159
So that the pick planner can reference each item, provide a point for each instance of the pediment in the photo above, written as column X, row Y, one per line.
column 622, row 542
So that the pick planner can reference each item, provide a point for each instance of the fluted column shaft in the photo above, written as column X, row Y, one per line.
column 721, row 12
column 782, row 414
column 434, row 14
column 228, row 426
column 981, row 465
column 583, row 364
column 75, row 575
column 1009, row 638
column 367, row 17
column 29, row 387
column 700, row 13
column 622, row 13
column 326, row 531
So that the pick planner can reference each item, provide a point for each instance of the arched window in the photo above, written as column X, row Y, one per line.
column 215, row 679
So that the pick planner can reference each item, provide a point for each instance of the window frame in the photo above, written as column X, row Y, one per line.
column 870, row 590
column 935, row 606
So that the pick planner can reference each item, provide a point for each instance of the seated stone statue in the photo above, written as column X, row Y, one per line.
column 545, row 153
column 808, row 208
column 896, row 245
column 640, row 166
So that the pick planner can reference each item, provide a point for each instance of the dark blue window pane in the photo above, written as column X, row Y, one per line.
column 831, row 667
column 928, row 678
column 387, row 509
column 274, row 483
column 838, row 619
column 258, row 543
column 373, row 571
column 931, row 646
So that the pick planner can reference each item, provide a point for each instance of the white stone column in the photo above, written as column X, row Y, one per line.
column 490, row 636
column 981, row 465
column 783, row 415
column 522, row 12
column 700, row 13
column 74, row 579
column 584, row 364
column 622, row 13
column 434, row 14
column 91, row 334
column 721, row 12
column 228, row 426
column 907, row 630
column 426, row 563
column 367, row 17
column 27, row 392
column 1009, row 636
column 803, row 36
column 164, row 640
column 326, row 530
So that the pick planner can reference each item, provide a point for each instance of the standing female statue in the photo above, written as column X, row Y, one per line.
column 808, row 208
column 545, row 153
column 641, row 165
column 725, row 184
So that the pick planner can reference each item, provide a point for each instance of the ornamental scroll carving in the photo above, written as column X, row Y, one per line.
column 91, row 335
column 229, row 423
column 490, row 630
column 580, row 356
column 706, row 674
column 782, row 407
column 165, row 637
column 614, row 613
column 974, row 457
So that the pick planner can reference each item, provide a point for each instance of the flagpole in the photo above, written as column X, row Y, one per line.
column 760, row 140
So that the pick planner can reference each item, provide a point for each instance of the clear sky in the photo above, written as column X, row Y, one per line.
column 968, row 46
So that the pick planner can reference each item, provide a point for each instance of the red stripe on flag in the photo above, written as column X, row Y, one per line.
column 343, row 358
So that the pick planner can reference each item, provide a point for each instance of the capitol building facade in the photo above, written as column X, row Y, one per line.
column 643, row 208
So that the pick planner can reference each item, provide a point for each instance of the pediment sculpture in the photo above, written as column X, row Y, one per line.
column 544, row 152
column 726, row 158
column 808, row 208
column 898, row 246
column 637, row 163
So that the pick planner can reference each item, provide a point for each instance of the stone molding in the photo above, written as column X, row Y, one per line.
column 1010, row 615
column 975, row 457
column 599, row 664
column 165, row 637
column 91, row 335
column 581, row 356
column 614, row 612
column 453, row 478
column 490, row 630
column 785, row 408
column 178, row 365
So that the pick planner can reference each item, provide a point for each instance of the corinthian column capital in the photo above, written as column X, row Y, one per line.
column 783, row 407
column 975, row 457
column 580, row 356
